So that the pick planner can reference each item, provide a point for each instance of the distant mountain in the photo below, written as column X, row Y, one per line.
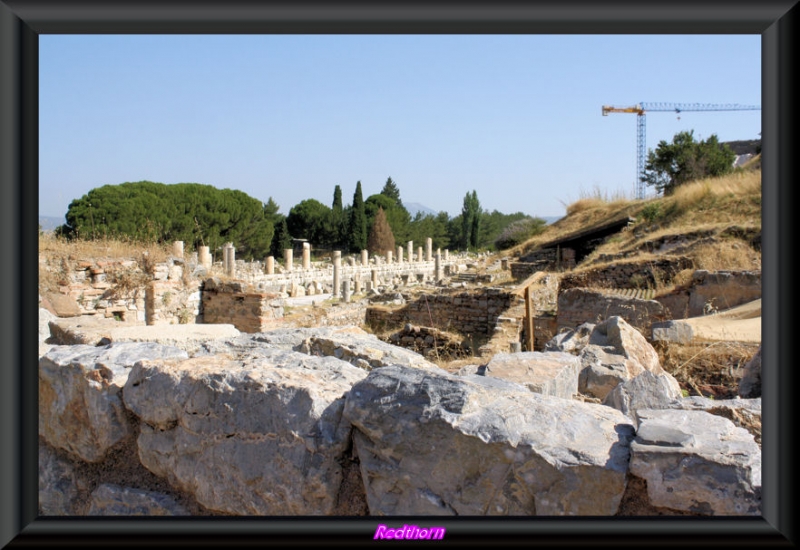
column 414, row 207
column 49, row 223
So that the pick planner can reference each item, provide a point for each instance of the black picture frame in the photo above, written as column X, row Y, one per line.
column 22, row 21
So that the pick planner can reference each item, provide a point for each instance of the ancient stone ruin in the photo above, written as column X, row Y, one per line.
column 211, row 405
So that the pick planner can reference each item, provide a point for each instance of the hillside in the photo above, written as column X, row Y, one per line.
column 716, row 223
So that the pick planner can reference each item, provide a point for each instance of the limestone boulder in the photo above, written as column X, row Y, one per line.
column 280, row 338
column 744, row 413
column 80, row 406
column 750, row 385
column 549, row 373
column 112, row 500
column 601, row 371
column 644, row 391
column 57, row 484
column 675, row 331
column 44, row 325
column 261, row 435
column 628, row 342
column 432, row 443
column 362, row 350
column 571, row 341
column 697, row 462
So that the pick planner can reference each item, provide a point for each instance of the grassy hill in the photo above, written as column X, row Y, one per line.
column 718, row 220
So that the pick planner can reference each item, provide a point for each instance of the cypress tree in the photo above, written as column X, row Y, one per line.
column 281, row 240
column 381, row 238
column 358, row 222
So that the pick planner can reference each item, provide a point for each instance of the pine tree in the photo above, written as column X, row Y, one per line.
column 391, row 190
column 381, row 238
column 357, row 228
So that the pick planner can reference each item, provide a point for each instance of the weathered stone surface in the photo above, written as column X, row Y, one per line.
column 697, row 462
column 644, row 391
column 750, row 385
column 672, row 331
column 287, row 339
column 549, row 373
column 189, row 337
column 113, row 500
column 44, row 325
column 62, row 305
column 628, row 342
column 258, row 436
column 80, row 409
column 57, row 484
column 431, row 443
column 571, row 341
column 362, row 350
column 601, row 371
column 744, row 413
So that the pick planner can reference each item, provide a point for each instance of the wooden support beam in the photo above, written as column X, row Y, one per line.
column 528, row 319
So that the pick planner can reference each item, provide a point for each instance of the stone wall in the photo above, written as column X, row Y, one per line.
column 643, row 274
column 577, row 306
column 238, row 304
column 98, row 287
column 466, row 312
column 173, row 302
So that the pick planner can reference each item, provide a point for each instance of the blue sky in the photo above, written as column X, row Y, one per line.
column 515, row 117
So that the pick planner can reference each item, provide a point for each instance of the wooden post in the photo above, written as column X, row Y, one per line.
column 528, row 318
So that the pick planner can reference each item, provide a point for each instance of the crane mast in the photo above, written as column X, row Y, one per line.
column 641, row 142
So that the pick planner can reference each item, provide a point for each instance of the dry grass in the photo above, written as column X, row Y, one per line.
column 707, row 369
column 101, row 249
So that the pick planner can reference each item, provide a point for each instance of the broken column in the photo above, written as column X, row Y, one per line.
column 270, row 263
column 351, row 260
column 419, row 254
column 346, row 291
column 374, row 278
column 306, row 256
column 399, row 254
column 364, row 258
column 204, row 254
column 410, row 251
column 446, row 254
column 389, row 257
column 177, row 249
column 428, row 249
column 438, row 276
column 287, row 258
column 229, row 254
column 357, row 285
column 337, row 273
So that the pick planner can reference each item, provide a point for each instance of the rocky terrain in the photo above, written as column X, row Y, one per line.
column 333, row 421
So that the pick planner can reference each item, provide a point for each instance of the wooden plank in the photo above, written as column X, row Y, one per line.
column 528, row 319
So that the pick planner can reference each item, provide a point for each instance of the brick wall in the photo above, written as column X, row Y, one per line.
column 466, row 312
column 236, row 303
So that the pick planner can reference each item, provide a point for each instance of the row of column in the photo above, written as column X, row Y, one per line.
column 229, row 257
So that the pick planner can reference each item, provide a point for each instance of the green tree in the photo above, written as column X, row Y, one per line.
column 391, row 190
column 397, row 216
column 281, row 240
column 428, row 225
column 308, row 220
column 381, row 238
column 684, row 160
column 470, row 221
column 337, row 225
column 154, row 212
column 357, row 226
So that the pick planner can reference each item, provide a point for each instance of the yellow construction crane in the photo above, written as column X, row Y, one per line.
column 641, row 142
